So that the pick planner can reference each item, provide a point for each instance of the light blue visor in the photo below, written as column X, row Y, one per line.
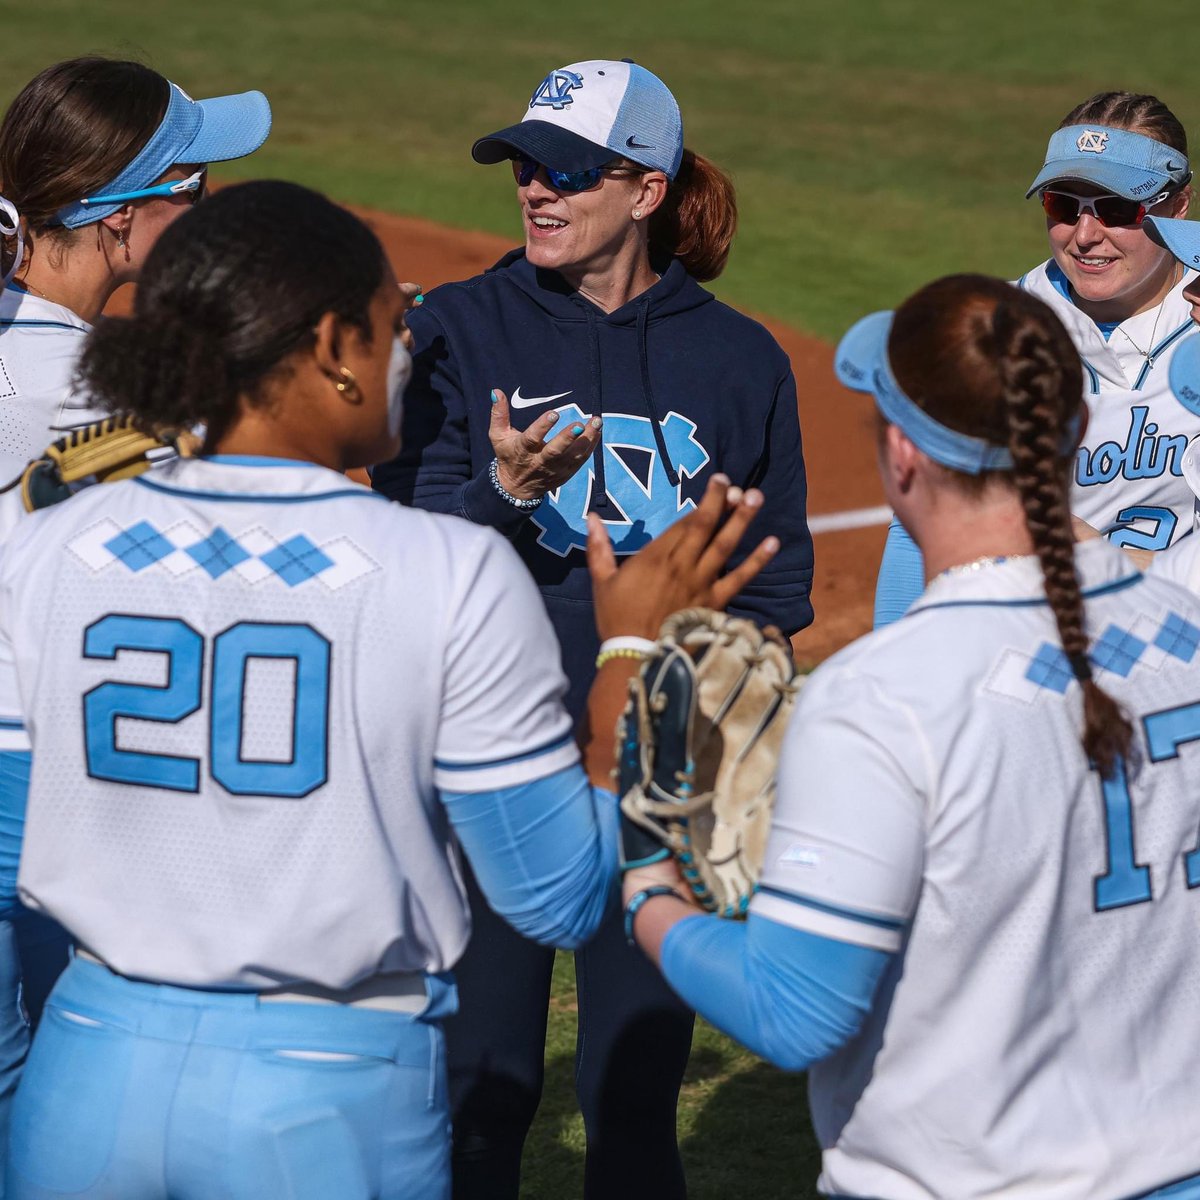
column 1181, row 238
column 192, row 131
column 1185, row 373
column 862, row 365
column 1123, row 163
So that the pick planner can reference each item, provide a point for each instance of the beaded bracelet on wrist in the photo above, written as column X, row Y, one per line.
column 608, row 655
column 515, row 501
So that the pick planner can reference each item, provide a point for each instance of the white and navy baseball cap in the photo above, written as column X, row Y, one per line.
column 585, row 115
column 191, row 131
column 1119, row 161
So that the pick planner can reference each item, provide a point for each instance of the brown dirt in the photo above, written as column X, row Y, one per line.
column 836, row 427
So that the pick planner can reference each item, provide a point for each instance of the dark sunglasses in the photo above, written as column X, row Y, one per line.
column 565, row 181
column 1066, row 208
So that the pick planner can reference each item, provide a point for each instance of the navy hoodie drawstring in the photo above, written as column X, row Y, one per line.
column 643, row 320
column 599, row 493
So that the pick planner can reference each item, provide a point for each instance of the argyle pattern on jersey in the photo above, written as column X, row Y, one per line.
column 251, row 556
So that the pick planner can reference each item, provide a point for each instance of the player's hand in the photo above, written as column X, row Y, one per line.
column 681, row 568
column 527, row 465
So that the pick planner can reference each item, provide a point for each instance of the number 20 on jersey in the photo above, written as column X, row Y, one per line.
column 184, row 694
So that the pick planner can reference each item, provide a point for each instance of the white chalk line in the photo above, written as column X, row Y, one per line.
column 851, row 518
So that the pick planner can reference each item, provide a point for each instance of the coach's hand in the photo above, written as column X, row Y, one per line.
column 680, row 568
column 527, row 465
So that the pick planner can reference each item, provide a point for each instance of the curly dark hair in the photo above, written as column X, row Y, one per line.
column 229, row 292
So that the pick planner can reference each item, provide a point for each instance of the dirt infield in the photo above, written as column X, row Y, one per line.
column 836, row 426
column 838, row 444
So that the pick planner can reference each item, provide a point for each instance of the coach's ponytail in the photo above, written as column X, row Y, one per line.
column 229, row 292
column 1032, row 378
column 697, row 220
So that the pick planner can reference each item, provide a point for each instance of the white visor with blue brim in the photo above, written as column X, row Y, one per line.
column 192, row 131
column 1117, row 160
column 862, row 365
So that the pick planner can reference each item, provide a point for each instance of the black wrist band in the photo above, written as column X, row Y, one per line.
column 635, row 904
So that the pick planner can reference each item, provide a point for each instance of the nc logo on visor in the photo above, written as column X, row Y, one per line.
column 555, row 90
column 1092, row 141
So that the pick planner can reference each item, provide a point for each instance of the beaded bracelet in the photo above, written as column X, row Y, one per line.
column 515, row 501
column 635, row 904
column 624, row 647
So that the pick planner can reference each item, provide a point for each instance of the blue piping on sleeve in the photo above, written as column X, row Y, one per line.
column 901, row 576
column 15, row 766
column 791, row 996
column 544, row 853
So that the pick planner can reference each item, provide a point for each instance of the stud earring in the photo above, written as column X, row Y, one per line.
column 637, row 214
column 347, row 385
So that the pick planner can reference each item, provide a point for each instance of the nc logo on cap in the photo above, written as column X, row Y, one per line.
column 1092, row 141
column 555, row 90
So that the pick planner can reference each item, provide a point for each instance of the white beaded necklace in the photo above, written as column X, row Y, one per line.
column 981, row 564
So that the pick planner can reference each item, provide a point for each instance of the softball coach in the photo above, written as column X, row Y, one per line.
column 589, row 372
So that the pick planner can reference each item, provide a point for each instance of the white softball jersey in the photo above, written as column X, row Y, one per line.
column 1128, row 479
column 40, row 344
column 1036, row 1033
column 244, row 681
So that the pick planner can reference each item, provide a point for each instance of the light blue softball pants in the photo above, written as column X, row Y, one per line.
column 139, row 1091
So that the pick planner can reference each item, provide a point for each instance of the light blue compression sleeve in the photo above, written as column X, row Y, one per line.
column 15, row 766
column 901, row 576
column 790, row 996
column 544, row 853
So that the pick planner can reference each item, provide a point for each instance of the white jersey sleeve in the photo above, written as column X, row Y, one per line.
column 1180, row 563
column 847, row 845
column 503, row 721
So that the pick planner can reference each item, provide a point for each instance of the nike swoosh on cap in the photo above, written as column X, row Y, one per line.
column 637, row 145
column 519, row 401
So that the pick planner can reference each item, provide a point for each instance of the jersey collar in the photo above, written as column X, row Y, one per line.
column 233, row 476
column 1101, row 567
column 19, row 307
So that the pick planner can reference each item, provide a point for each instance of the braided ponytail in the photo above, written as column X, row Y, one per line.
column 1031, row 378
column 986, row 359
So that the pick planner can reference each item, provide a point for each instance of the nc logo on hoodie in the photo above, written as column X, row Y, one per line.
column 635, row 481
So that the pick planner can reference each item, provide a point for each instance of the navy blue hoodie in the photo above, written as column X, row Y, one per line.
column 686, row 386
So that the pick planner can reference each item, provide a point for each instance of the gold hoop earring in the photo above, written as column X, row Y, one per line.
column 347, row 385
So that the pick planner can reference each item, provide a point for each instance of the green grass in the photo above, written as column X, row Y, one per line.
column 743, row 1125
column 875, row 143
